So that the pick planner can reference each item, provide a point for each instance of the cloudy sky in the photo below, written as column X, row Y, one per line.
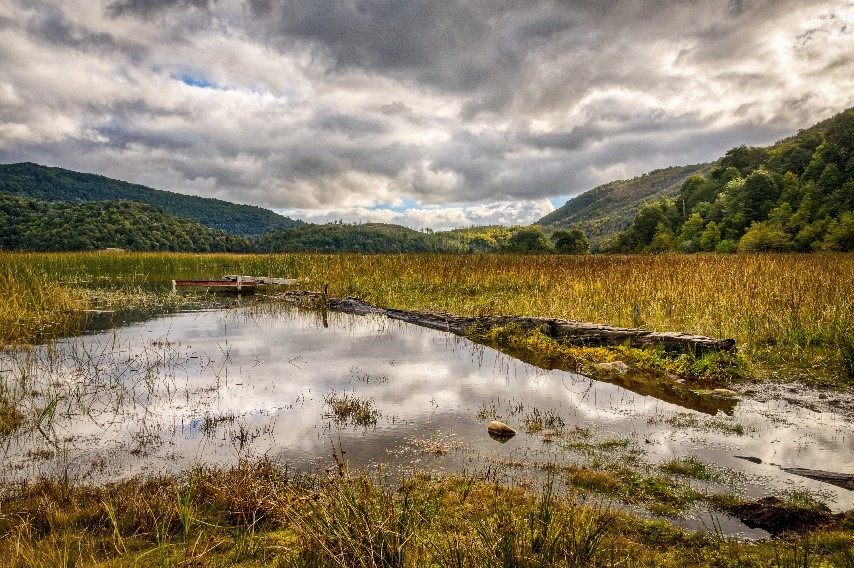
column 426, row 113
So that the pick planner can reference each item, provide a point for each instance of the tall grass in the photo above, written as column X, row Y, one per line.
column 796, row 310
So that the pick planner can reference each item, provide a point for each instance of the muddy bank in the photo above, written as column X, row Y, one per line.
column 778, row 517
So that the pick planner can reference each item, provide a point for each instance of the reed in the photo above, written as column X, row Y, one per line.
column 794, row 313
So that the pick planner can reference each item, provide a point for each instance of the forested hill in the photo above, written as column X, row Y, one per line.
column 57, row 184
column 797, row 195
column 366, row 238
column 609, row 208
column 34, row 225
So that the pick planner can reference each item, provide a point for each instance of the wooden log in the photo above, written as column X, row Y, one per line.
column 566, row 331
column 845, row 480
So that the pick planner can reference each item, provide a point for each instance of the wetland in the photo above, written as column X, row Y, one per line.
column 204, row 388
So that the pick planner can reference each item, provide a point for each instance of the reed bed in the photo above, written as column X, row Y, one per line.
column 789, row 310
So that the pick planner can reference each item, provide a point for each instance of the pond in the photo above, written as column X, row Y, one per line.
column 286, row 384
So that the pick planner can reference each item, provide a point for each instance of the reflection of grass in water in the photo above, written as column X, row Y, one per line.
column 211, row 422
column 351, row 409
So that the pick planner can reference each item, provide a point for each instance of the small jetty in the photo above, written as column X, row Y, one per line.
column 234, row 282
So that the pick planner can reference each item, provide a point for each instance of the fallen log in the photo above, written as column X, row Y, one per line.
column 565, row 331
column 844, row 480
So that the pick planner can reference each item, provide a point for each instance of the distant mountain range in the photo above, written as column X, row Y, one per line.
column 56, row 184
column 797, row 194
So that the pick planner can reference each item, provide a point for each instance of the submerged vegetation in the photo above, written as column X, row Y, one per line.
column 791, row 315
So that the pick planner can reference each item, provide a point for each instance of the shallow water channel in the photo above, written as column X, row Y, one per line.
column 213, row 387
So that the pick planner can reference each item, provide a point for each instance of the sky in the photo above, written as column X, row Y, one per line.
column 435, row 114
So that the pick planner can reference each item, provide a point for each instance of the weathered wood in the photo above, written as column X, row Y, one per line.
column 845, row 480
column 212, row 284
column 567, row 331
column 262, row 280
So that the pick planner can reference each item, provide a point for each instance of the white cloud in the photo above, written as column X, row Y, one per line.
column 437, row 218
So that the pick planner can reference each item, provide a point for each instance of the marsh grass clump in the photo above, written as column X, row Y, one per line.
column 692, row 467
column 350, row 409
column 688, row 420
column 536, row 421
column 10, row 417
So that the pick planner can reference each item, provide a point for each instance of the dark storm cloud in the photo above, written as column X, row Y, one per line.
column 148, row 7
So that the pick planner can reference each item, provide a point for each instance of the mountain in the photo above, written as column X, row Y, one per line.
column 57, row 184
column 35, row 225
column 609, row 208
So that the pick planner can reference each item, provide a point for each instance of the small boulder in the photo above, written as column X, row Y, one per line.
column 724, row 392
column 615, row 366
column 498, row 429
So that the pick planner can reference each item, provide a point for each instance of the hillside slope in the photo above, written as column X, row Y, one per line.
column 57, row 184
column 609, row 208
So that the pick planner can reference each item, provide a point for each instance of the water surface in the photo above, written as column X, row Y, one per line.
column 213, row 387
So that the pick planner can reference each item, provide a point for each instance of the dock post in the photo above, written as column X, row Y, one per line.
column 239, row 282
column 174, row 286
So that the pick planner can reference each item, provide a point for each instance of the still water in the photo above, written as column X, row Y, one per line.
column 214, row 387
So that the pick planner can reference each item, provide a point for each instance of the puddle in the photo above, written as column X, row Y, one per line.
column 213, row 387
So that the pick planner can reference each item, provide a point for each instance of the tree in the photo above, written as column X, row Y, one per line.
column 765, row 236
column 571, row 242
column 528, row 240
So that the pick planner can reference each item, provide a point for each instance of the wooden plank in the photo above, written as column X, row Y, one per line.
column 213, row 283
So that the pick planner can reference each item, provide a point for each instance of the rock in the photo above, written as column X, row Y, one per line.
column 616, row 366
column 498, row 429
column 724, row 392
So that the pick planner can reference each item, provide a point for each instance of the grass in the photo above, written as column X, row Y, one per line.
column 351, row 409
column 792, row 315
column 255, row 514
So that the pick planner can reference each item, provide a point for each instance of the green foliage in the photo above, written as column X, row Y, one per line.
column 795, row 196
column 365, row 238
column 479, row 239
column 571, row 242
column 29, row 224
column 56, row 184
column 766, row 236
column 528, row 240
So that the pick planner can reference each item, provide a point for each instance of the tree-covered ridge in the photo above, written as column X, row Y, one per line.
column 797, row 195
column 35, row 225
column 57, row 184
column 343, row 237
column 609, row 208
